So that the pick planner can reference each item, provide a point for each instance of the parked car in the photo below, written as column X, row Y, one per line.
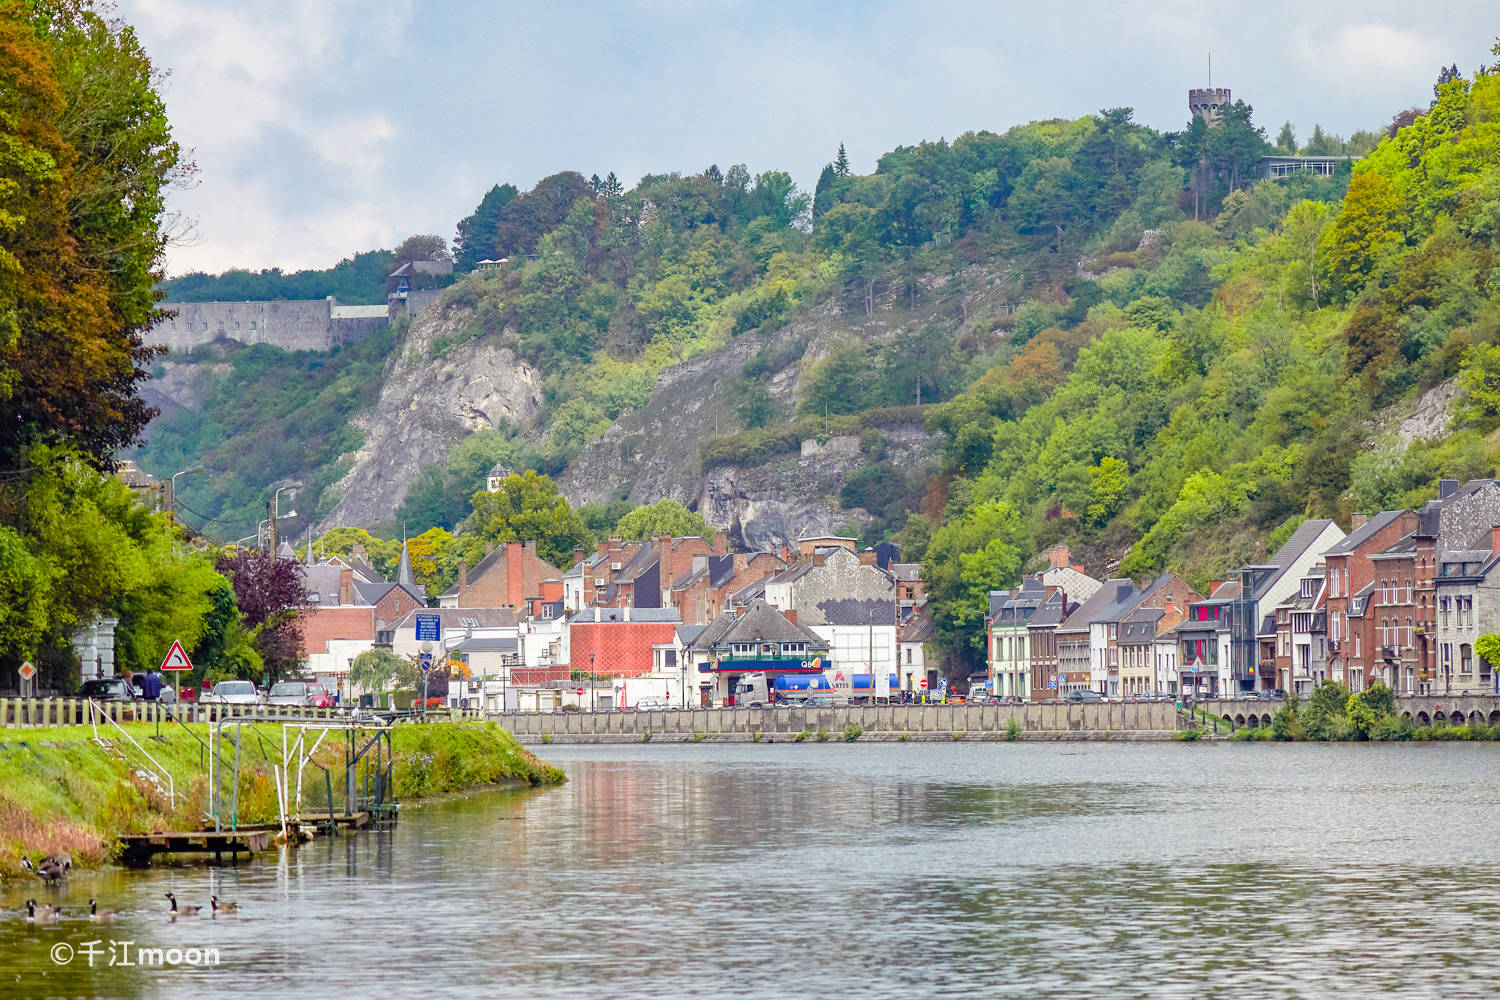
column 107, row 689
column 981, row 697
column 825, row 701
column 289, row 693
column 235, row 693
column 1084, row 696
column 318, row 696
column 652, row 704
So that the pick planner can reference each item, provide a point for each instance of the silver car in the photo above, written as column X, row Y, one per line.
column 235, row 693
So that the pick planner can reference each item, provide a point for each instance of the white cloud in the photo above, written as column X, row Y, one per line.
column 1372, row 58
column 242, row 76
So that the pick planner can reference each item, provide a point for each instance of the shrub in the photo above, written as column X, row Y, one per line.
column 903, row 737
column 1187, row 735
column 956, row 735
column 1012, row 728
column 801, row 736
column 853, row 732
column 755, row 736
column 822, row 735
column 1393, row 727
column 700, row 737
column 546, row 737
column 646, row 736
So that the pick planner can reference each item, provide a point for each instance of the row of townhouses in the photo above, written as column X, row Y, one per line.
column 1400, row 600
column 678, row 619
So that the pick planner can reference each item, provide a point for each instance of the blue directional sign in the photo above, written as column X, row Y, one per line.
column 424, row 660
column 429, row 628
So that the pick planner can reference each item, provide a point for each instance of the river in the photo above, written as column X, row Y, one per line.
column 850, row 871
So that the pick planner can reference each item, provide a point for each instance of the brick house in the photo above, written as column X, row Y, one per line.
column 1350, row 571
column 504, row 578
column 1041, row 644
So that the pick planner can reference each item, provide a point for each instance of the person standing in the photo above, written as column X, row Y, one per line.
column 151, row 686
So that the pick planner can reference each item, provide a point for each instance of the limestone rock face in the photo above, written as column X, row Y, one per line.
column 440, row 388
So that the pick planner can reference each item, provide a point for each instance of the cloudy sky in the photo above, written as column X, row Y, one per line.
column 322, row 127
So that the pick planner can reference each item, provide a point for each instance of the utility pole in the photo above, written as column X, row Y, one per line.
column 919, row 390
column 272, row 509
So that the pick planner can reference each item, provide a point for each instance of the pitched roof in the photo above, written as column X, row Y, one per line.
column 1302, row 539
column 759, row 623
column 906, row 572
column 1051, row 612
column 505, row 644
column 919, row 629
column 1357, row 537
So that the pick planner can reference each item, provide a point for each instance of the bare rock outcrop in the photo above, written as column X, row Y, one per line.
column 439, row 389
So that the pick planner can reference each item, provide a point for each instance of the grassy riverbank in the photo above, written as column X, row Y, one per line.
column 59, row 791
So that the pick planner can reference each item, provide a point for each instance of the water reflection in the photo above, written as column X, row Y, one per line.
column 859, row 871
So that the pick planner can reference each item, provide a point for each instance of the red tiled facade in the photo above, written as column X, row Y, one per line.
column 1351, row 641
column 617, row 648
column 395, row 605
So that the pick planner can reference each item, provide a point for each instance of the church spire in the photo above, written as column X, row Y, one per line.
column 403, row 573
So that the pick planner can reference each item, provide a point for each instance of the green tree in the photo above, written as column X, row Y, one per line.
column 526, row 508
column 1487, row 646
column 665, row 517
column 841, row 162
column 476, row 232
column 1286, row 140
column 1479, row 377
column 1109, row 487
column 375, row 670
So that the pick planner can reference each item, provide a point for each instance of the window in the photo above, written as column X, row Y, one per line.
column 1466, row 659
column 252, row 324
column 236, row 324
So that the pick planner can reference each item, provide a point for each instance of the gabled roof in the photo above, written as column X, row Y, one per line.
column 1140, row 625
column 1051, row 612
column 906, row 572
column 759, row 623
column 1109, row 603
column 1405, row 547
column 371, row 593
column 687, row 633
column 1302, row 539
column 505, row 644
column 1358, row 536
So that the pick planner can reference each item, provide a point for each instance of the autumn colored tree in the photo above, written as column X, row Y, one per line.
column 85, row 161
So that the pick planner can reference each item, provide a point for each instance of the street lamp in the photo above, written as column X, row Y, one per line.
column 172, row 490
column 273, row 508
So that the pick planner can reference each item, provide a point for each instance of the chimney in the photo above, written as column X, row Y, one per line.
column 1495, row 540
column 720, row 543
column 602, row 548
column 515, row 591
column 1214, row 585
column 791, row 615
column 578, row 554
column 1446, row 488
column 1057, row 557
column 346, row 585
column 463, row 578
column 625, row 613
column 1078, row 567
column 1357, row 521
column 867, row 557
column 358, row 552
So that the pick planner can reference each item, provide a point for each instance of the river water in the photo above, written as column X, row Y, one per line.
column 850, row 871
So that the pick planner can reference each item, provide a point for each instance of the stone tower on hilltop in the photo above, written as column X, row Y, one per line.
column 1205, row 102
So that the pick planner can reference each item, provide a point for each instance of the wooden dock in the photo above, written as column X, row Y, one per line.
column 141, row 847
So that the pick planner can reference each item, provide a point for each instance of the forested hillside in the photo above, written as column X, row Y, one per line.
column 1230, row 379
column 1125, row 342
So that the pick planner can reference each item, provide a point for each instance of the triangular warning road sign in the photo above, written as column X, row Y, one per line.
column 177, row 658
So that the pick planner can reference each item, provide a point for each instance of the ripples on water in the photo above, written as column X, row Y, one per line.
column 964, row 870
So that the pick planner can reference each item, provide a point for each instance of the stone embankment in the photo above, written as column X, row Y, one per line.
column 1105, row 721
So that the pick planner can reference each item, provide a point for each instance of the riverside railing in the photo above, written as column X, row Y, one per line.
column 65, row 711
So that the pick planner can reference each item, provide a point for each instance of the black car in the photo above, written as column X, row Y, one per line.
column 1085, row 696
column 107, row 689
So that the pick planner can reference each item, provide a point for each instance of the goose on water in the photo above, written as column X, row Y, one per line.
column 99, row 916
column 50, row 870
column 223, row 907
column 41, row 914
column 185, row 910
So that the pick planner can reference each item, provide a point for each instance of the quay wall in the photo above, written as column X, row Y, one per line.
column 1111, row 720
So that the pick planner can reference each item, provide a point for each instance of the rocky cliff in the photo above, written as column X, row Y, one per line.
column 439, row 388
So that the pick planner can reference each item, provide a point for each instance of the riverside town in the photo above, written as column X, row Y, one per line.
column 564, row 501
